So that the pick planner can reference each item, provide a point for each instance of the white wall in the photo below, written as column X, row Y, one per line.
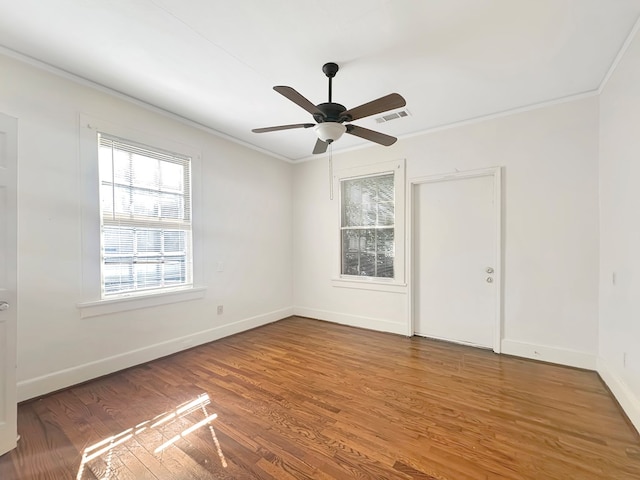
column 245, row 222
column 550, row 192
column 619, row 335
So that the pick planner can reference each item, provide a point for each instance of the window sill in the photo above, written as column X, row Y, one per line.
column 374, row 285
column 134, row 302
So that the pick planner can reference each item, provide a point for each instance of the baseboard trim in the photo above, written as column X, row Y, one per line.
column 54, row 381
column 629, row 402
column 369, row 323
column 562, row 356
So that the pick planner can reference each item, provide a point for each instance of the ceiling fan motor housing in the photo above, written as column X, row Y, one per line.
column 331, row 112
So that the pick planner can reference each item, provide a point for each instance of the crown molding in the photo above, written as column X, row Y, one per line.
column 620, row 55
column 39, row 64
column 469, row 121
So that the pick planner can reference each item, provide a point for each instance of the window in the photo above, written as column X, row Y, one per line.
column 369, row 216
column 145, row 204
column 368, row 226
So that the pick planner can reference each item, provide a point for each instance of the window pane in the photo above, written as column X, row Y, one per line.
column 385, row 189
column 350, row 252
column 146, row 171
column 118, row 240
column 121, row 167
column 368, row 241
column 352, row 215
column 105, row 164
column 386, row 252
column 353, row 192
column 369, row 190
column 385, row 213
column 384, row 267
column 174, row 241
column 384, row 242
column 122, row 200
column 106, row 199
column 148, row 275
column 350, row 241
column 352, row 203
column 350, row 264
column 174, row 270
column 172, row 176
column 368, row 214
column 172, row 205
column 368, row 265
column 118, row 274
column 148, row 241
column 146, row 203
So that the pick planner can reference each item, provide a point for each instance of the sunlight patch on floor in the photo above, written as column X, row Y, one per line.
column 154, row 435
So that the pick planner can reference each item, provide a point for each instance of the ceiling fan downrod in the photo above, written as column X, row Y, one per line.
column 330, row 69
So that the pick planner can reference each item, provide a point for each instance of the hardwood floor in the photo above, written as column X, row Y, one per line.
column 307, row 399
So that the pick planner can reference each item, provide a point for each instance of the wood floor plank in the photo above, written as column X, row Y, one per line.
column 7, row 470
column 304, row 399
column 38, row 455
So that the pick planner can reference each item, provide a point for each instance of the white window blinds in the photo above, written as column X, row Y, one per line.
column 145, row 197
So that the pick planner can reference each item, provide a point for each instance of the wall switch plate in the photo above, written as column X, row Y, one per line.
column 220, row 309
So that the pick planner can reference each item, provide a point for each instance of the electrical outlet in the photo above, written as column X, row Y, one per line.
column 220, row 309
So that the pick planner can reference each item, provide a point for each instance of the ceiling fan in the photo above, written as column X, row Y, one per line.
column 330, row 117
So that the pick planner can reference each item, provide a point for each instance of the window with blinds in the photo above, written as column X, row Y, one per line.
column 145, row 198
column 367, row 226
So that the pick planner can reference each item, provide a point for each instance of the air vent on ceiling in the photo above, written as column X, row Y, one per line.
column 392, row 116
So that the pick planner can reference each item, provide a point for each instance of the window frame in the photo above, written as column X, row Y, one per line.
column 92, row 302
column 138, row 222
column 398, row 282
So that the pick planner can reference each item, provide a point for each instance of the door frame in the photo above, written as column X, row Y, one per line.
column 414, row 183
column 9, row 292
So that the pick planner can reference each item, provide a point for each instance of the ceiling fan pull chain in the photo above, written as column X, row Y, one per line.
column 330, row 171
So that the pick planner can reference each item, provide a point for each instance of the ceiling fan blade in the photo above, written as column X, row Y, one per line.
column 298, row 99
column 320, row 147
column 283, row 127
column 371, row 135
column 382, row 104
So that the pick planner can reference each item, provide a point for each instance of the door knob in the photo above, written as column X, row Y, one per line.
column 4, row 306
column 489, row 270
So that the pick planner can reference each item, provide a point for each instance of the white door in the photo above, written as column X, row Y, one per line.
column 455, row 250
column 8, row 282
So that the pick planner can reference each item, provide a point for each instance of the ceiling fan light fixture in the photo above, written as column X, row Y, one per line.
column 329, row 131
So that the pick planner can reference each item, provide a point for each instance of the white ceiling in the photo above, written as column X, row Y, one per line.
column 215, row 61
